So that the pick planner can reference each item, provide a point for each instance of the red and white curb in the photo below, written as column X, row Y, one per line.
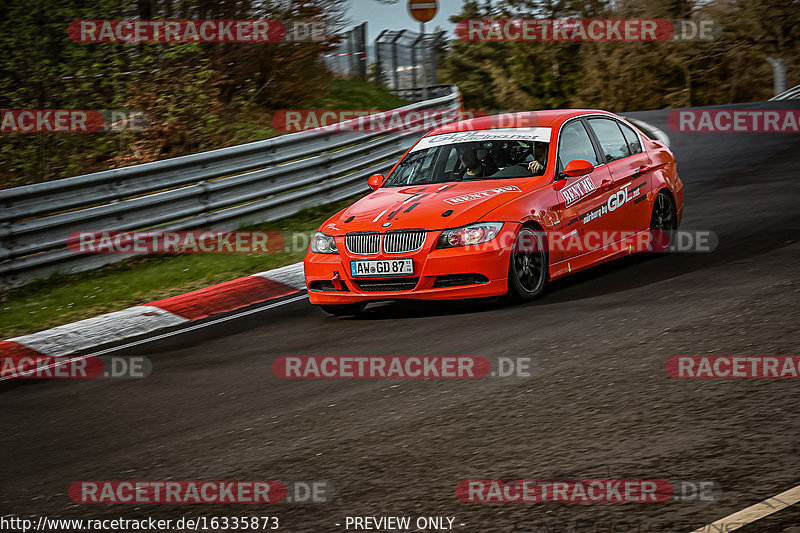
column 141, row 319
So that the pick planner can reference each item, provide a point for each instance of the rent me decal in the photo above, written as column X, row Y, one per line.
column 577, row 190
column 482, row 194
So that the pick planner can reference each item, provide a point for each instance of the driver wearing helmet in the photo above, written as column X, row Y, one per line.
column 475, row 167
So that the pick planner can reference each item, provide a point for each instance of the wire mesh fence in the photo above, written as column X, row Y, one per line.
column 406, row 60
column 349, row 58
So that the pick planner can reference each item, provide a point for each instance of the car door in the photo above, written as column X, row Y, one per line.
column 582, row 199
column 629, row 167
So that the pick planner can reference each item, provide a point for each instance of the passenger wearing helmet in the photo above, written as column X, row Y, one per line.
column 536, row 165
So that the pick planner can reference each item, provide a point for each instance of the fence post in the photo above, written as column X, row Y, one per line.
column 779, row 75
column 394, row 59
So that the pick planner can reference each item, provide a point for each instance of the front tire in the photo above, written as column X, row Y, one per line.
column 344, row 310
column 527, row 269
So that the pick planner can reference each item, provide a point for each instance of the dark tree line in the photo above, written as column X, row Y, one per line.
column 199, row 95
column 627, row 76
column 202, row 96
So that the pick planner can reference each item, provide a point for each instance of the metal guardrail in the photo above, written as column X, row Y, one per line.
column 218, row 190
column 422, row 93
column 790, row 94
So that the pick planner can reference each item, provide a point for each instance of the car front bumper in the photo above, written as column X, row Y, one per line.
column 486, row 263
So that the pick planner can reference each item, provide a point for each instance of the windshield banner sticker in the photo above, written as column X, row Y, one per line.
column 499, row 134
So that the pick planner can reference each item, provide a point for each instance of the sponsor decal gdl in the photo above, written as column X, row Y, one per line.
column 615, row 201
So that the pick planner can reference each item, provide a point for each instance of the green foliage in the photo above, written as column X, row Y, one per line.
column 356, row 94
column 200, row 96
column 626, row 76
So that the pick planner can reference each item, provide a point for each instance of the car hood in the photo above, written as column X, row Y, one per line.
column 432, row 207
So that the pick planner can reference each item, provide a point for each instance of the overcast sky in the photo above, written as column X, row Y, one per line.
column 381, row 17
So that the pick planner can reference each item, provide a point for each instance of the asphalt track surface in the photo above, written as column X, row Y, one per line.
column 599, row 405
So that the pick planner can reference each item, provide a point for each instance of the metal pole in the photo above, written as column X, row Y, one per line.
column 424, row 74
column 414, row 64
column 379, row 62
column 394, row 60
column 362, row 39
column 779, row 75
column 434, row 63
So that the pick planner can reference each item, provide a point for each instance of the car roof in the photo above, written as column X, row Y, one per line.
column 525, row 119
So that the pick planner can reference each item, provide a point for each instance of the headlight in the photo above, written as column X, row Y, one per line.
column 323, row 244
column 468, row 235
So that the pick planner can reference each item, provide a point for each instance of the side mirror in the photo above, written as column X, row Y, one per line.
column 577, row 167
column 375, row 181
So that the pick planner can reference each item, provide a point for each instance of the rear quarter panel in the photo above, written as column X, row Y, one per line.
column 665, row 173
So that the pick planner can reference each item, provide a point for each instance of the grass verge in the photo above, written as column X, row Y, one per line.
column 62, row 299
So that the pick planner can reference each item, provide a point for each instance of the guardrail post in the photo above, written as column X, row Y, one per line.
column 779, row 75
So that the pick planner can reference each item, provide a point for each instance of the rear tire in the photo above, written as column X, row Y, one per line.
column 528, row 265
column 663, row 223
column 344, row 310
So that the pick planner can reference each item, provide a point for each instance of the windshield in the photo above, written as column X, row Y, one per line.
column 467, row 160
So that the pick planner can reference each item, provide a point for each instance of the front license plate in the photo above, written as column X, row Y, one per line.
column 382, row 267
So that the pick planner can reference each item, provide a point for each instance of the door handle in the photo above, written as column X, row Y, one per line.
column 643, row 169
column 606, row 183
